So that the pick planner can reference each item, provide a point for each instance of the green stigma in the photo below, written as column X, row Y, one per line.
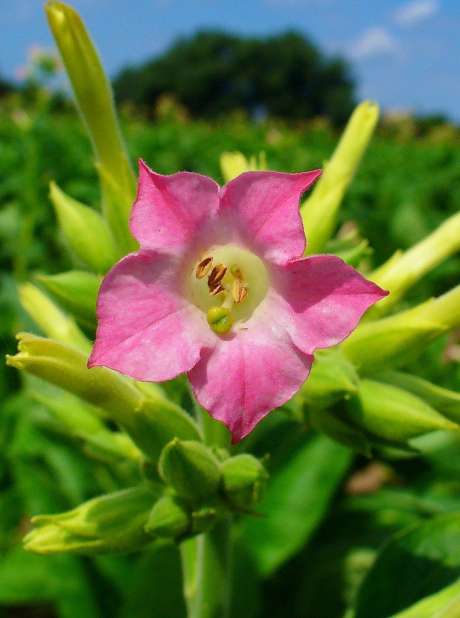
column 220, row 320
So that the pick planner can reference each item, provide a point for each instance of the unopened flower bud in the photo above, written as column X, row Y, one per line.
column 76, row 290
column 394, row 340
column 85, row 231
column 169, row 518
column 111, row 523
column 332, row 377
column 243, row 480
column 150, row 423
column 190, row 468
column 393, row 414
column 319, row 211
column 401, row 272
column 50, row 319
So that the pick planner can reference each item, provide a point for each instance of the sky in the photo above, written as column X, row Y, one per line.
column 403, row 54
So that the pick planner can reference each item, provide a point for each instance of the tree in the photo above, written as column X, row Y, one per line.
column 213, row 73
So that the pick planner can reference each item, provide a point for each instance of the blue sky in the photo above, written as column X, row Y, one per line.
column 405, row 54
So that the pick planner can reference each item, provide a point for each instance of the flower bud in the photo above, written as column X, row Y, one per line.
column 243, row 480
column 151, row 424
column 332, row 377
column 95, row 101
column 50, row 319
column 190, row 468
column 319, row 210
column 393, row 414
column 402, row 272
column 445, row 401
column 232, row 164
column 392, row 341
column 169, row 518
column 111, row 523
column 85, row 231
column 76, row 291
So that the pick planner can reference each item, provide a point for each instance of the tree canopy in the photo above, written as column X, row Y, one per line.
column 212, row 73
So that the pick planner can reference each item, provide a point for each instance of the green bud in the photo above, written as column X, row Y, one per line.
column 50, row 319
column 76, row 291
column 151, row 424
column 405, row 270
column 111, row 523
column 394, row 340
column 445, row 401
column 85, row 231
column 332, row 377
column 243, row 480
column 95, row 101
column 169, row 518
column 190, row 468
column 319, row 210
column 232, row 164
column 393, row 414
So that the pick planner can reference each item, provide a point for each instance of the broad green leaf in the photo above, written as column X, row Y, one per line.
column 416, row 563
column 296, row 500
column 443, row 604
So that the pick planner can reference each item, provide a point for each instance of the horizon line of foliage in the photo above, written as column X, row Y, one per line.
column 214, row 72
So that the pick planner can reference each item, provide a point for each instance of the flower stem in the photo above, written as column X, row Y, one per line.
column 206, row 559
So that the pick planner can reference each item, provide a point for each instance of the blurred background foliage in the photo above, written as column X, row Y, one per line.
column 310, row 555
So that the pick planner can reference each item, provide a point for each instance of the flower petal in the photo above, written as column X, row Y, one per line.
column 320, row 300
column 169, row 211
column 145, row 328
column 265, row 208
column 246, row 376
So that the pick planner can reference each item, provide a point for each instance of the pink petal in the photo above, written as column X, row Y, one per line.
column 169, row 211
column 146, row 330
column 320, row 300
column 265, row 208
column 247, row 375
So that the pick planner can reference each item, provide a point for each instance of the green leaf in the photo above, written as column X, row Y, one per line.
column 296, row 500
column 443, row 604
column 416, row 563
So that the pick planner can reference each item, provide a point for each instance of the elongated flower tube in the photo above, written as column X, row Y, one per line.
column 219, row 289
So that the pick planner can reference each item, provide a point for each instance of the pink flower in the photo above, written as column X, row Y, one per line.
column 219, row 289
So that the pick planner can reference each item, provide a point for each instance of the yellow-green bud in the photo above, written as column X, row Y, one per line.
column 150, row 423
column 243, row 480
column 332, row 377
column 85, row 231
column 76, row 291
column 111, row 523
column 220, row 320
column 95, row 101
column 401, row 272
column 169, row 518
column 319, row 211
column 393, row 414
column 190, row 468
column 232, row 164
column 392, row 341
column 50, row 319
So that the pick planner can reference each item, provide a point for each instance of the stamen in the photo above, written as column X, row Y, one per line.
column 203, row 268
column 239, row 291
column 217, row 290
column 216, row 276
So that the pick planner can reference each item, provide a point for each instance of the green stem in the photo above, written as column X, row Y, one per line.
column 206, row 559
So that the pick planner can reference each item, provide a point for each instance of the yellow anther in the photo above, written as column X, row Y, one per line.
column 220, row 320
column 217, row 290
column 216, row 276
column 239, row 291
column 203, row 268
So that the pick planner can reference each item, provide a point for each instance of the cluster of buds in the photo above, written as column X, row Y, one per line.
column 356, row 392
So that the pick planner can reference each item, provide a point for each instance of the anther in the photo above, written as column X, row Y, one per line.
column 216, row 276
column 217, row 290
column 239, row 291
column 203, row 268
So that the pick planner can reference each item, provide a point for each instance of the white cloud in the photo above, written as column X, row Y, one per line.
column 415, row 11
column 373, row 42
